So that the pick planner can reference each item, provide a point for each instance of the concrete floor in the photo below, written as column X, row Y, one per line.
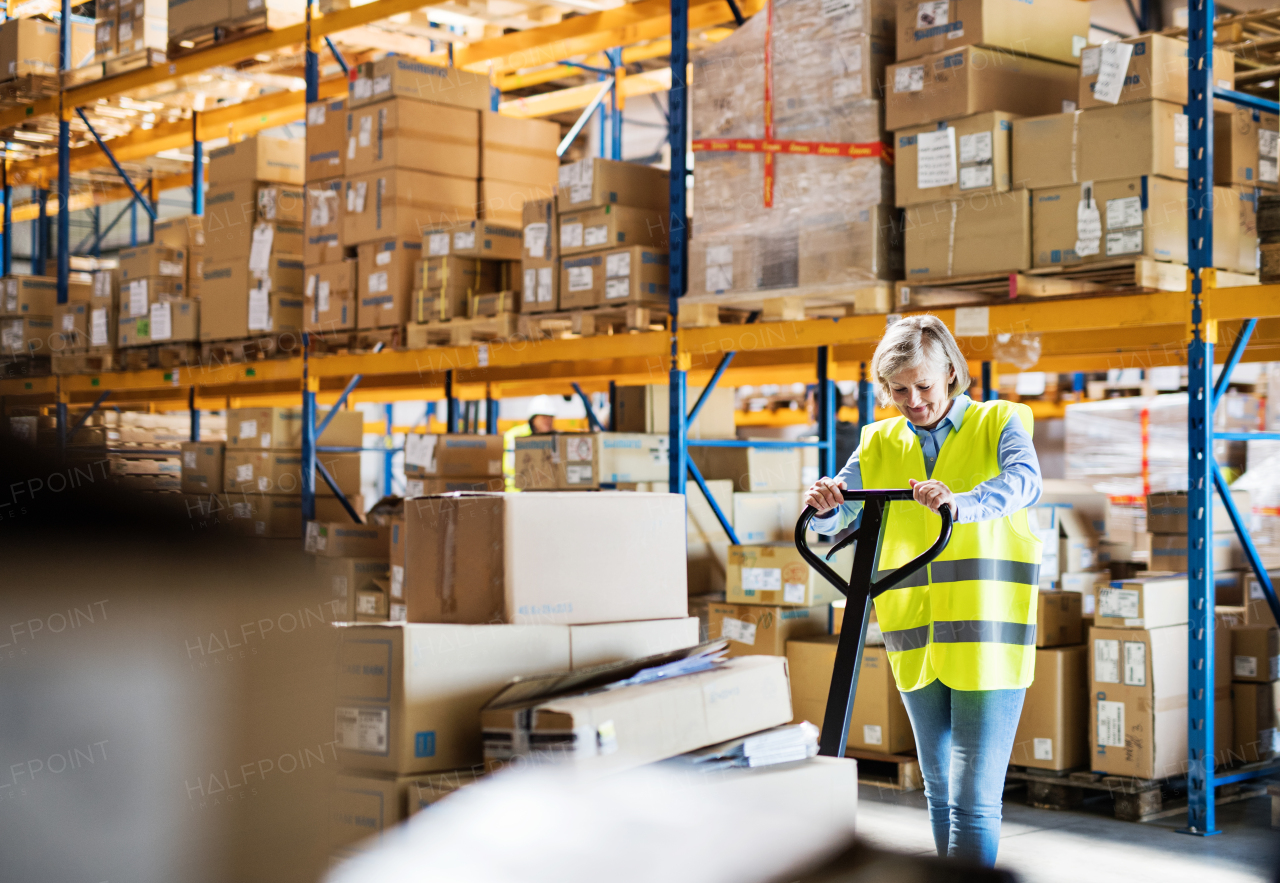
column 1047, row 846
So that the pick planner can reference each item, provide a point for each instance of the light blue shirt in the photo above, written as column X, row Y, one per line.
column 1017, row 486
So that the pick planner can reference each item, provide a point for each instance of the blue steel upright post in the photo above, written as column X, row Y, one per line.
column 678, row 107
column 309, row 389
column 1200, row 595
column 7, row 256
column 311, row 64
column 197, row 167
column 64, row 160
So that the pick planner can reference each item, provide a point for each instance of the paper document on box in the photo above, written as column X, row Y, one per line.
column 1113, row 66
column 1088, row 222
column 936, row 158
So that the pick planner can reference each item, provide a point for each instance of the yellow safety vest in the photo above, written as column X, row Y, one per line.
column 509, row 452
column 969, row 619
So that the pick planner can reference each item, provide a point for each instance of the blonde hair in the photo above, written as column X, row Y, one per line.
column 917, row 340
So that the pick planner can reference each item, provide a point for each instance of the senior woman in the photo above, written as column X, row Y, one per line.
column 961, row 636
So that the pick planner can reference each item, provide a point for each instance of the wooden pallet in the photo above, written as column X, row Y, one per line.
column 28, row 89
column 114, row 67
column 251, row 349
column 898, row 772
column 1077, row 280
column 85, row 363
column 806, row 301
column 1133, row 799
column 593, row 321
column 231, row 29
column 355, row 341
column 159, row 355
column 25, row 366
column 462, row 332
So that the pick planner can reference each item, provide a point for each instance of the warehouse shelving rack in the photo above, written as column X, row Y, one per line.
column 1123, row 330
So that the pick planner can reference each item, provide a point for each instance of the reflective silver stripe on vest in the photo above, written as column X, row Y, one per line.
column 988, row 569
column 983, row 631
column 906, row 639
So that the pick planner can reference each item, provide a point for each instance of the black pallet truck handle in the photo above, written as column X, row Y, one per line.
column 859, row 590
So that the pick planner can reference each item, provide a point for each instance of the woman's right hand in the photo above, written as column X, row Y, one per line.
column 825, row 495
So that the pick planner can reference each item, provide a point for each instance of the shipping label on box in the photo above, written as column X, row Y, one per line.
column 774, row 573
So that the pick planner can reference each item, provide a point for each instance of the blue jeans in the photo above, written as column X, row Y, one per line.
column 964, row 739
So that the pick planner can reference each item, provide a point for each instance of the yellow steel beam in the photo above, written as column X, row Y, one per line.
column 218, row 55
column 233, row 121
column 630, row 54
column 588, row 34
column 576, row 97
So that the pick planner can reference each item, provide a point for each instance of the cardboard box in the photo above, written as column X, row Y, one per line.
column 152, row 260
column 979, row 234
column 385, row 281
column 363, row 807
column 740, row 697
column 409, row 134
column 756, row 629
column 586, row 461
column 605, row 642
column 611, row 226
column 272, row 516
column 1138, row 716
column 541, row 231
column 774, row 573
column 230, row 213
column 1142, row 216
column 1255, row 653
column 258, row 158
column 1138, row 138
column 427, row 487
column 1054, row 29
column 1046, row 150
column 633, row 569
column 852, row 252
column 1257, row 722
column 635, row 275
column 970, row 80
column 428, row 455
column 878, row 721
column 137, row 296
column 970, row 155
column 36, row 295
column 29, row 46
column 401, row 203
column 225, row 298
column 167, row 321
column 280, row 429
column 71, row 324
column 323, row 230
column 331, row 297
column 194, row 15
column 594, row 182
column 1059, row 620
column 754, row 469
column 1055, row 712
column 409, row 695
column 444, row 286
column 1169, row 552
column 1243, row 139
column 1142, row 602
column 766, row 516
column 1167, row 512
column 281, row 202
column 541, row 288
column 397, row 76
column 327, row 129
column 27, row 335
column 1247, row 233
column 473, row 239
column 341, row 580
column 136, row 34
column 342, row 539
column 1257, row 609
column 202, row 467
column 280, row 472
column 184, row 234
column 647, row 409
column 1157, row 68
column 519, row 150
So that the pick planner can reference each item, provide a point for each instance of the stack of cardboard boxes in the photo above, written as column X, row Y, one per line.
column 31, row 319
column 813, row 208
column 961, row 80
column 330, row 288
column 252, row 281
column 262, row 471
column 466, row 270
column 1255, row 691
column 612, row 224
column 30, row 45
column 1108, row 179
column 154, row 305
column 87, row 325
column 439, row 464
column 353, row 568
column 128, row 27
column 588, row 461
column 1052, row 731
column 537, row 600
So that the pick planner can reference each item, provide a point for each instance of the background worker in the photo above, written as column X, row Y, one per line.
column 960, row 636
column 542, row 421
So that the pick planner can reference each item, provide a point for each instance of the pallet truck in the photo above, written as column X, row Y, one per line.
column 859, row 590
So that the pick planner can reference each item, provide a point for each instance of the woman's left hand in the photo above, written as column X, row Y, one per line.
column 934, row 494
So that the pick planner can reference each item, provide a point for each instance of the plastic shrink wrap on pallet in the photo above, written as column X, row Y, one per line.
column 832, row 220
column 1262, row 481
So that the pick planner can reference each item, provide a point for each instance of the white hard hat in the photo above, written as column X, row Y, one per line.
column 544, row 406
